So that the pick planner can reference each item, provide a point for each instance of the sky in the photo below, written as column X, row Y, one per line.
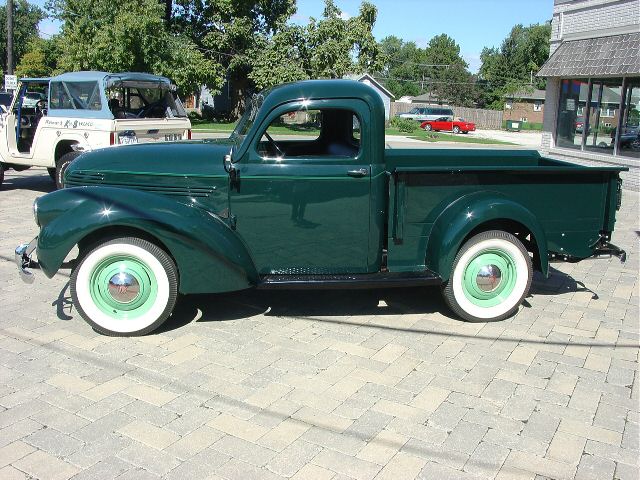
column 473, row 24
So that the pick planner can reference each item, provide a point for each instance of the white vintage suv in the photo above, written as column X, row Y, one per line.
column 53, row 120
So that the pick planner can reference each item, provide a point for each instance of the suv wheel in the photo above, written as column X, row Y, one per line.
column 61, row 165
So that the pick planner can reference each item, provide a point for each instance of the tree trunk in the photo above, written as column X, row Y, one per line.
column 239, row 92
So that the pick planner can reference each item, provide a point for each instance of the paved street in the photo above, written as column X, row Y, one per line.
column 323, row 385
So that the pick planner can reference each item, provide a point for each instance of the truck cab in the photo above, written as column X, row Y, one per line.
column 304, row 194
column 52, row 120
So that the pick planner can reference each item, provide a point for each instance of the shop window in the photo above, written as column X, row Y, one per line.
column 603, row 103
column 629, row 139
column 570, row 124
column 537, row 107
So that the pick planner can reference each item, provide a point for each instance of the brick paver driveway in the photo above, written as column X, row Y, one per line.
column 322, row 385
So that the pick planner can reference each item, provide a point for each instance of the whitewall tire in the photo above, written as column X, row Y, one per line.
column 491, row 276
column 125, row 287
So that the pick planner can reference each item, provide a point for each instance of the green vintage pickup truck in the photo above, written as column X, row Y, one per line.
column 331, row 208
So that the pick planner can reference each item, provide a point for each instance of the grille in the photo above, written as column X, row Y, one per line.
column 80, row 179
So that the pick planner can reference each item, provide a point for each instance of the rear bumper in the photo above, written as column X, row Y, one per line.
column 608, row 250
column 22, row 258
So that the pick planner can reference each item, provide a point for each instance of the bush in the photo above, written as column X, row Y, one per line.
column 404, row 125
column 524, row 125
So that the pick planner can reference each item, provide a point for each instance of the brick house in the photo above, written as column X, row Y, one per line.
column 592, row 106
column 525, row 106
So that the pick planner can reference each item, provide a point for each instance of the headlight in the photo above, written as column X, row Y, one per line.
column 34, row 208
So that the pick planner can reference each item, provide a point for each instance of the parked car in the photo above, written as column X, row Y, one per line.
column 5, row 101
column 337, row 210
column 52, row 120
column 448, row 124
column 426, row 113
column 579, row 125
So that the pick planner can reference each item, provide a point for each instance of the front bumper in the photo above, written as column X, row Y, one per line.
column 22, row 258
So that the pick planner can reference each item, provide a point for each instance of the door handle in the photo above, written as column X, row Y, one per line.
column 361, row 172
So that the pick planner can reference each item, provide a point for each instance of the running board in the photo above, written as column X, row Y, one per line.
column 351, row 281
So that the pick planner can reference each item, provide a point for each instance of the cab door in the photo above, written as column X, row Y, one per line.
column 302, row 203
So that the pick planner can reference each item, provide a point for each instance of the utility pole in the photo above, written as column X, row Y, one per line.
column 9, row 37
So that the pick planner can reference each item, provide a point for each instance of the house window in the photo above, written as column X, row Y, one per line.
column 524, row 119
column 508, row 105
column 537, row 107
column 608, row 112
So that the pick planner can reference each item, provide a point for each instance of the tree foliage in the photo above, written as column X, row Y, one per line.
column 438, row 69
column 339, row 46
column 129, row 35
column 40, row 60
column 26, row 18
column 513, row 66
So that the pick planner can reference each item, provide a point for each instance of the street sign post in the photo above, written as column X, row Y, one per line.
column 10, row 82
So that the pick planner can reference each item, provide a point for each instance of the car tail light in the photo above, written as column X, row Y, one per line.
column 189, row 134
column 112, row 138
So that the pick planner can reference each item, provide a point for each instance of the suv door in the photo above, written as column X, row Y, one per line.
column 303, row 201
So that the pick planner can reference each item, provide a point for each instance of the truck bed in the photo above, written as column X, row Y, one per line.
column 573, row 205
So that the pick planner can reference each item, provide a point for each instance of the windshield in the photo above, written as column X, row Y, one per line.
column 246, row 122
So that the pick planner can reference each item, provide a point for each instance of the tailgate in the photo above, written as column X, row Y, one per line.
column 129, row 131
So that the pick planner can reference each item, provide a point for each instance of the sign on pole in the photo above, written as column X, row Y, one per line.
column 10, row 82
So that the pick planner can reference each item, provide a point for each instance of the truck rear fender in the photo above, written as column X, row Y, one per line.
column 209, row 255
column 478, row 212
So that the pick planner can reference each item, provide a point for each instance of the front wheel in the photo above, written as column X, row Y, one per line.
column 125, row 287
column 491, row 276
column 456, row 129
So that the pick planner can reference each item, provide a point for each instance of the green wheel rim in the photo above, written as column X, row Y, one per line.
column 128, row 266
column 500, row 284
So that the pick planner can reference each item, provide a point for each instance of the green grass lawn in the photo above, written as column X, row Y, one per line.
column 204, row 126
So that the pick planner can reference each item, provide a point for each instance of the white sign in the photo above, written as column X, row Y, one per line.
column 10, row 82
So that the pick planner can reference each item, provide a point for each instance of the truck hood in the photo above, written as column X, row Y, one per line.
column 185, row 159
column 189, row 172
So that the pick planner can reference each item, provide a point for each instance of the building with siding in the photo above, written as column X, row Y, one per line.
column 592, row 106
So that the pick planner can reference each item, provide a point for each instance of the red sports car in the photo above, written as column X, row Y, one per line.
column 447, row 124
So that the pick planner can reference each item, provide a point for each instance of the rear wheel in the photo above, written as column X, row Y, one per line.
column 125, row 287
column 61, row 166
column 491, row 276
column 52, row 173
column 456, row 129
column 1, row 173
column 428, row 127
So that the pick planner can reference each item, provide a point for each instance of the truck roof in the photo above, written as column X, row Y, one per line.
column 312, row 89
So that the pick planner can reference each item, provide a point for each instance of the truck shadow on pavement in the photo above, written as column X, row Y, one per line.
column 17, row 181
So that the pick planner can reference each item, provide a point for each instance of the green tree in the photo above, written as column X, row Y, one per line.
column 339, row 46
column 449, row 76
column 515, row 64
column 403, row 72
column 234, row 33
column 26, row 18
column 130, row 35
column 40, row 60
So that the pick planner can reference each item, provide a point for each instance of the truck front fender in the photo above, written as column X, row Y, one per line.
column 209, row 255
column 467, row 214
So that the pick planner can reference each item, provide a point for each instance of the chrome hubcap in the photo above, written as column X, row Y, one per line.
column 123, row 287
column 488, row 278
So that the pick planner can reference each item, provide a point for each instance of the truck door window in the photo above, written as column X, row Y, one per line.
column 312, row 133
